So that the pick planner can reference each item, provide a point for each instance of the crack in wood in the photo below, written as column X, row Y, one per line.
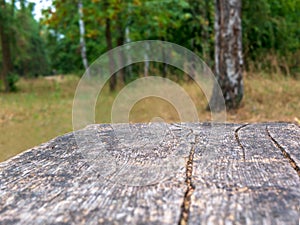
column 285, row 153
column 185, row 207
column 237, row 138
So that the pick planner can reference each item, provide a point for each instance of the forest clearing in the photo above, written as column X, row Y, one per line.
column 42, row 108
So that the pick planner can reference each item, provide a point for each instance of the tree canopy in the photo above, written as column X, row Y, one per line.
column 271, row 31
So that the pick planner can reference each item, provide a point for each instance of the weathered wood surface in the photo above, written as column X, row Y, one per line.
column 225, row 174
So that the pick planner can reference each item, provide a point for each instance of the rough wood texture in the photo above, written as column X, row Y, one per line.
column 242, row 177
column 223, row 174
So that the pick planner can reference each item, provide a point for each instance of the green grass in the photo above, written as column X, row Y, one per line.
column 39, row 111
column 42, row 108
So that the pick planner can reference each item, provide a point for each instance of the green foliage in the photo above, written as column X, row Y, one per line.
column 270, row 30
column 271, row 34
column 27, row 46
column 12, row 79
column 30, row 57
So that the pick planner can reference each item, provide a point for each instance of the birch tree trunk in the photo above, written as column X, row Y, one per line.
column 128, row 57
column 228, row 50
column 164, row 57
column 82, row 33
column 146, row 60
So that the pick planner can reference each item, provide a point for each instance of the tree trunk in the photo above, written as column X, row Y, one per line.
column 146, row 61
column 82, row 33
column 164, row 65
column 128, row 57
column 228, row 51
column 5, row 46
column 209, row 17
column 120, row 41
column 113, row 79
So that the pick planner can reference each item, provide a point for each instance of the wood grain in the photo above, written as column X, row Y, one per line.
column 197, row 174
column 288, row 141
column 248, row 181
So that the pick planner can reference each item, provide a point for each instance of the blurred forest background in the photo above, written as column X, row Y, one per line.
column 48, row 56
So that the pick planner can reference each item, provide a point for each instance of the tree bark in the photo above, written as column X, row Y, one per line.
column 82, row 33
column 6, row 51
column 146, row 61
column 164, row 65
column 113, row 79
column 120, row 41
column 128, row 69
column 228, row 51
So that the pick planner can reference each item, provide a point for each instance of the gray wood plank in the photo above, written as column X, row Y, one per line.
column 192, row 173
column 243, row 179
column 287, row 138
column 55, row 184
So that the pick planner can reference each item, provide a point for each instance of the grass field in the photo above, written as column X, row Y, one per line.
column 42, row 108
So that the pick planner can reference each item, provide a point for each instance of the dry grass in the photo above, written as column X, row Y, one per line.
column 39, row 111
column 42, row 109
column 269, row 99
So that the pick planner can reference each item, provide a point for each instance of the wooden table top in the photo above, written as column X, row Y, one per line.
column 189, row 173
